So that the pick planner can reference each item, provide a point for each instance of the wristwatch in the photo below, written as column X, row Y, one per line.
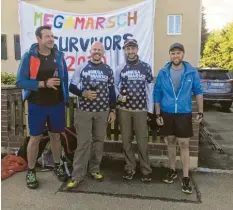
column 45, row 83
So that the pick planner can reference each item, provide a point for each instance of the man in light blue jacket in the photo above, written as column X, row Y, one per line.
column 175, row 83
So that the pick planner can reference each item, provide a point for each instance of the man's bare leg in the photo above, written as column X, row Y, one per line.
column 55, row 142
column 32, row 150
column 184, row 155
column 32, row 153
column 55, row 146
column 171, row 148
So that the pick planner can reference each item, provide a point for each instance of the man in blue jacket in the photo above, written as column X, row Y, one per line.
column 175, row 83
column 43, row 76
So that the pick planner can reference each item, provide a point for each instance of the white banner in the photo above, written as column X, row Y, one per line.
column 74, row 33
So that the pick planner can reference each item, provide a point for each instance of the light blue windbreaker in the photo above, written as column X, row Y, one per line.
column 165, row 95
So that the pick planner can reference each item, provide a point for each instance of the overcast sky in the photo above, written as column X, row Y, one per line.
column 218, row 13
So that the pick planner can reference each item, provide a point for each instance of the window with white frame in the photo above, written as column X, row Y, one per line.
column 174, row 24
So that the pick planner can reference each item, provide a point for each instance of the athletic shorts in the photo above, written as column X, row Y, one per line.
column 39, row 115
column 179, row 125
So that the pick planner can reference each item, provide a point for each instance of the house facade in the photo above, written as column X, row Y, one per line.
column 175, row 21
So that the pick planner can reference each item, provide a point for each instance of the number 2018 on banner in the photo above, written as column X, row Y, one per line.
column 71, row 61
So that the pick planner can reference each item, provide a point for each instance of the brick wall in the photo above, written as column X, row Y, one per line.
column 11, row 118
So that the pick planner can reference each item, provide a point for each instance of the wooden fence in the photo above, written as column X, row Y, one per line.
column 113, row 129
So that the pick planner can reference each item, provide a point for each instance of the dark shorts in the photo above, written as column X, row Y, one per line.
column 179, row 125
column 39, row 115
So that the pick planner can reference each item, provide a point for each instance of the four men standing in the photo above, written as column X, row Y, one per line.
column 43, row 76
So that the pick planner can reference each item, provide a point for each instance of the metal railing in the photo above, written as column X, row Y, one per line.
column 206, row 135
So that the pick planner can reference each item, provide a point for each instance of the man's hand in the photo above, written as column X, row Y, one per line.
column 41, row 84
column 121, row 98
column 52, row 82
column 159, row 120
column 111, row 117
column 91, row 95
column 199, row 117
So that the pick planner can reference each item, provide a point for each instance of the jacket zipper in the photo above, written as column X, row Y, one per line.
column 176, row 96
column 182, row 84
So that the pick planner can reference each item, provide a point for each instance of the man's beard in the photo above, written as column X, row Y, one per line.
column 135, row 57
column 96, row 59
column 177, row 64
column 49, row 46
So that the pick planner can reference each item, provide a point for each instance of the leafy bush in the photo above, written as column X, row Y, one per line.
column 8, row 79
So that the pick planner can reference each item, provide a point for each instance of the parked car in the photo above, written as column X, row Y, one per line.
column 217, row 86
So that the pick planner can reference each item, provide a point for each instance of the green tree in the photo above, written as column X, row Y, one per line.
column 226, row 47
column 218, row 51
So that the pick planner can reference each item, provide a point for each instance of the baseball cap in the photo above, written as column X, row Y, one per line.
column 130, row 42
column 176, row 45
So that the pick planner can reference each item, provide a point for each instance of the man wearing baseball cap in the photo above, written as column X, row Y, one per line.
column 134, row 90
column 175, row 84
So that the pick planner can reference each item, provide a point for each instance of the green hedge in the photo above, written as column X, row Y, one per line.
column 8, row 79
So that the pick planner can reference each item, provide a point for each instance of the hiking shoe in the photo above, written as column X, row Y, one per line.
column 31, row 180
column 186, row 185
column 170, row 177
column 146, row 178
column 97, row 176
column 60, row 173
column 72, row 184
column 129, row 175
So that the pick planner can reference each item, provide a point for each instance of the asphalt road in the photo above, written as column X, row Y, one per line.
column 219, row 123
column 215, row 189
